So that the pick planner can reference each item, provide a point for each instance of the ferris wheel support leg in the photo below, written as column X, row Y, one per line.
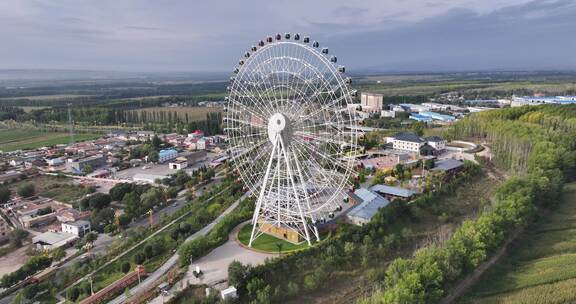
column 291, row 175
column 306, row 196
column 261, row 196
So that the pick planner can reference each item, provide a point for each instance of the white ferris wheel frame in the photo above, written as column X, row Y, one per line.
column 281, row 183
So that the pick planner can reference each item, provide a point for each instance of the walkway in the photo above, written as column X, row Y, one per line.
column 153, row 277
column 215, row 265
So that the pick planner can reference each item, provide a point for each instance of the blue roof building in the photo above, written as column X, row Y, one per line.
column 166, row 155
column 438, row 116
column 418, row 117
column 369, row 202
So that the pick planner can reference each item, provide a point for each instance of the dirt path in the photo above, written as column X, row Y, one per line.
column 14, row 260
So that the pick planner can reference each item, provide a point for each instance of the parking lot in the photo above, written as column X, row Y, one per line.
column 162, row 169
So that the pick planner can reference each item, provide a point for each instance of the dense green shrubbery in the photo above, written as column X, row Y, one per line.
column 350, row 248
column 531, row 141
column 219, row 233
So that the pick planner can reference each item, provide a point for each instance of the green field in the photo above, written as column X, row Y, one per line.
column 541, row 266
column 11, row 140
column 266, row 242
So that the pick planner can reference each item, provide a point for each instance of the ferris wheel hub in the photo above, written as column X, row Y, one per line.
column 278, row 124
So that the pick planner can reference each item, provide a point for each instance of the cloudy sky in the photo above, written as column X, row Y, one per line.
column 194, row 36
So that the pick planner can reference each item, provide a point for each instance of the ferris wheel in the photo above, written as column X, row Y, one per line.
column 292, row 134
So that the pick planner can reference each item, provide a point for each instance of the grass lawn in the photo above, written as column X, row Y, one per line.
column 541, row 267
column 11, row 140
column 266, row 242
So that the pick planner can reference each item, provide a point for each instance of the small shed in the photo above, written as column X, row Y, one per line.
column 229, row 293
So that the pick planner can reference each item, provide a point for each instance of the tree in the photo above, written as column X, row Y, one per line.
column 73, row 293
column 5, row 194
column 310, row 282
column 101, row 218
column 19, row 298
column 58, row 254
column 125, row 267
column 124, row 220
column 150, row 198
column 153, row 156
column 90, row 237
column 119, row 190
column 172, row 192
column 131, row 202
column 139, row 258
column 418, row 128
column 17, row 236
column 99, row 201
column 429, row 164
column 30, row 291
column 26, row 190
column 236, row 273
column 87, row 169
column 156, row 141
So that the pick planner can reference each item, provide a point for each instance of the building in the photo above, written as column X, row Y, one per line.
column 281, row 232
column 406, row 141
column 52, row 240
column 422, row 118
column 436, row 142
column 196, row 134
column 166, row 155
column 10, row 176
column 178, row 164
column 54, row 161
column 368, row 203
column 449, row 166
column 201, row 144
column 229, row 293
column 437, row 116
column 78, row 228
column 95, row 161
column 540, row 100
column 385, row 113
column 413, row 108
column 391, row 192
column 371, row 102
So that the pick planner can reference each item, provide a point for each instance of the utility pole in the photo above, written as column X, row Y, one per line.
column 71, row 125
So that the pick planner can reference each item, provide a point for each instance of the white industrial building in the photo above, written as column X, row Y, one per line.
column 411, row 142
column 78, row 228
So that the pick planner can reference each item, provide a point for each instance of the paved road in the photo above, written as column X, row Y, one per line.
column 145, row 285
column 214, row 265
column 134, row 247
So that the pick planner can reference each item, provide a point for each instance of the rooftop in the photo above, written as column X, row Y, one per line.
column 371, row 202
column 80, row 223
column 53, row 238
column 407, row 136
column 396, row 191
column 447, row 165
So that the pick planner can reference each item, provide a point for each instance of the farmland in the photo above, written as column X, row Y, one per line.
column 11, row 140
column 541, row 267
